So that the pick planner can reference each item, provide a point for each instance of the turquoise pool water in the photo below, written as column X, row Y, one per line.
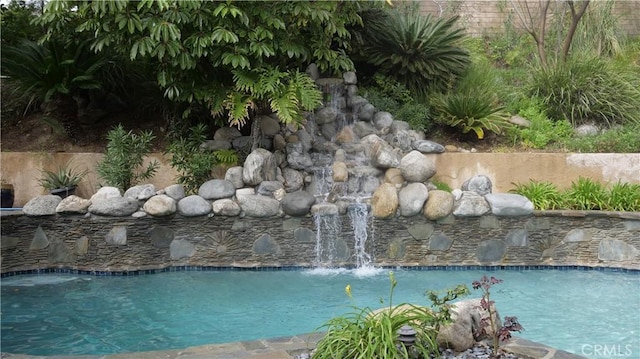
column 590, row 313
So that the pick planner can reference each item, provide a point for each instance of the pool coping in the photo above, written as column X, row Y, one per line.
column 294, row 347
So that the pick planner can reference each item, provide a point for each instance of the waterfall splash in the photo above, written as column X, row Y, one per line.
column 330, row 247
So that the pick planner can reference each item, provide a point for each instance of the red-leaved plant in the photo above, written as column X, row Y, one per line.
column 510, row 324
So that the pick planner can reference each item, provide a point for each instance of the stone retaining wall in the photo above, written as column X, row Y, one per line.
column 598, row 239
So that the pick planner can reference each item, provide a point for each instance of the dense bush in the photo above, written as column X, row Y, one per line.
column 591, row 89
column 623, row 139
column 542, row 131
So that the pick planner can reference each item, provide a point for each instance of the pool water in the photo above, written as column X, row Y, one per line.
column 584, row 312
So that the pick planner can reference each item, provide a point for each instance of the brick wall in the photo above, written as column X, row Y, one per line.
column 486, row 15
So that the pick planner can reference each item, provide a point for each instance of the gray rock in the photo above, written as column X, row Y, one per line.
column 42, row 205
column 399, row 126
column 350, row 78
column 382, row 120
column 217, row 189
column 116, row 207
column 259, row 166
column 326, row 115
column 366, row 112
column 82, row 245
column 467, row 317
column 492, row 250
column 105, row 193
column 59, row 253
column 298, row 203
column 480, row 184
column 269, row 126
column 234, row 175
column 517, row 238
column 422, row 231
column 416, row 167
column 384, row 156
column 412, row 198
column 266, row 245
column 304, row 235
column 329, row 131
column 297, row 158
column 226, row 207
column 440, row 242
column 267, row 188
column 215, row 145
column 73, row 204
column 616, row 250
column 509, row 204
column 259, row 206
column 587, row 130
column 470, row 204
column 520, row 121
column 40, row 240
column 194, row 205
column 141, row 192
column 363, row 129
column 312, row 71
column 175, row 191
column 401, row 139
column 324, row 209
column 426, row 146
column 161, row 236
column 160, row 205
column 180, row 249
column 117, row 236
column 293, row 180
column 227, row 134
column 577, row 235
column 242, row 143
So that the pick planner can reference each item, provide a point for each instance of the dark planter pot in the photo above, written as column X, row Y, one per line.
column 7, row 196
column 63, row 192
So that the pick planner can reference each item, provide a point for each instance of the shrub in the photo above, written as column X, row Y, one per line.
column 122, row 165
column 473, row 104
column 421, row 52
column 542, row 131
column 585, row 90
column 194, row 164
column 624, row 197
column 392, row 96
column 623, row 139
column 63, row 177
column 368, row 334
column 586, row 194
column 544, row 195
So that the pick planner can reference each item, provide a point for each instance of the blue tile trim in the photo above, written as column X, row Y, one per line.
column 296, row 268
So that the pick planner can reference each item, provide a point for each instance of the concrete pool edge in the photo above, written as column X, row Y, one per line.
column 285, row 348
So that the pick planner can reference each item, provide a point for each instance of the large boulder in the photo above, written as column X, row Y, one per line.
column 254, row 205
column 73, row 204
column 175, row 191
column 412, row 199
column 259, row 166
column 269, row 188
column 416, row 167
column 438, row 205
column 217, row 189
column 293, row 180
column 384, row 202
column 234, row 175
column 42, row 205
column 160, row 205
column 298, row 203
column 116, row 207
column 509, row 204
column 464, row 330
column 194, row 205
column 105, row 193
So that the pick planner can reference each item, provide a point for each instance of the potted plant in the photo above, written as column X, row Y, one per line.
column 63, row 181
column 7, row 195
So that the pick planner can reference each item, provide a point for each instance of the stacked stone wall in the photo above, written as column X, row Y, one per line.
column 597, row 239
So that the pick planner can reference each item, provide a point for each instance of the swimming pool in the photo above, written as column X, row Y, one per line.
column 575, row 310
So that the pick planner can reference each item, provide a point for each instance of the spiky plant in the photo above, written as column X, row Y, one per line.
column 52, row 74
column 420, row 51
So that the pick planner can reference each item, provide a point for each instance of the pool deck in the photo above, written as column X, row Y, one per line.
column 296, row 347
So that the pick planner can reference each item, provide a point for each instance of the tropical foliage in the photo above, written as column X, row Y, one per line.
column 208, row 53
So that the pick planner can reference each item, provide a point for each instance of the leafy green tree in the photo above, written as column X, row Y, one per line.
column 16, row 21
column 235, row 58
